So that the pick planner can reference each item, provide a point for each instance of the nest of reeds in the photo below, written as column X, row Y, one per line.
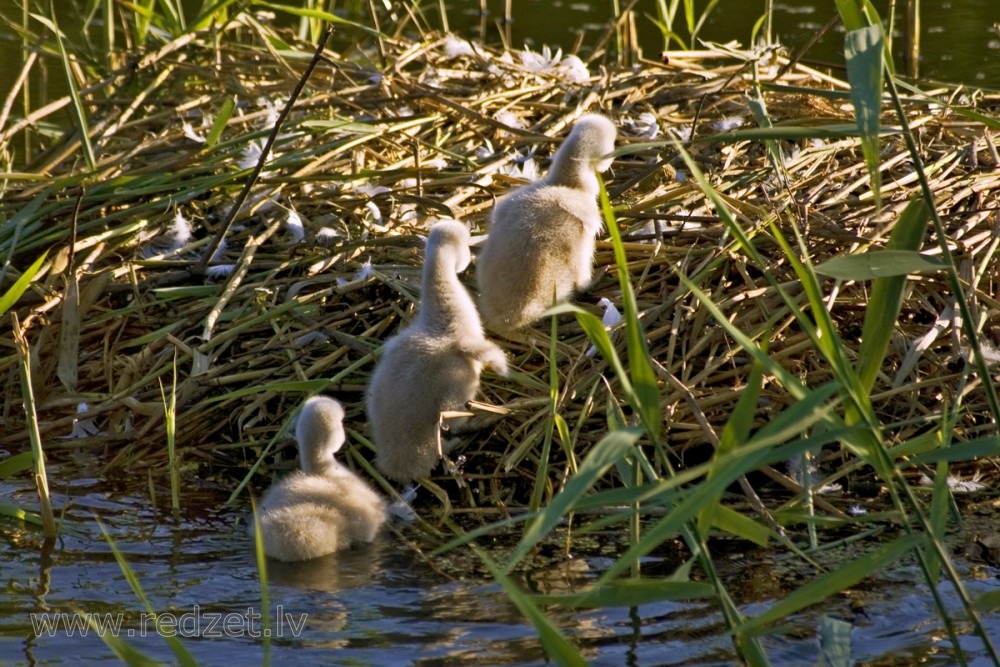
column 323, row 261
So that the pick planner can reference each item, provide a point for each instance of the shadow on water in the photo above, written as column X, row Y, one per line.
column 382, row 605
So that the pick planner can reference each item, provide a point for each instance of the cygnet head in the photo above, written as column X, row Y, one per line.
column 319, row 431
column 592, row 138
column 453, row 237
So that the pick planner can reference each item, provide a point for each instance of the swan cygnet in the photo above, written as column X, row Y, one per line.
column 542, row 236
column 324, row 507
column 432, row 366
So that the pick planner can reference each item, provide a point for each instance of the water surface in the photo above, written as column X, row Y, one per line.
column 386, row 605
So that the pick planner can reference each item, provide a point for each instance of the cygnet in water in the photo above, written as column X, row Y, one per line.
column 324, row 507
column 432, row 366
column 541, row 237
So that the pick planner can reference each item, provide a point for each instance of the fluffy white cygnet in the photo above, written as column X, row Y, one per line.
column 432, row 366
column 541, row 237
column 324, row 507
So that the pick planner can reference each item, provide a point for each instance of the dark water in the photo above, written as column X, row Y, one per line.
column 960, row 42
column 384, row 605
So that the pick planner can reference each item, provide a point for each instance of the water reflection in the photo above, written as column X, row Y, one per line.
column 331, row 573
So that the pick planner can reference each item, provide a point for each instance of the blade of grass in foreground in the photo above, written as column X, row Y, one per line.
column 12, row 465
column 641, row 373
column 11, row 296
column 265, row 597
column 612, row 447
column 320, row 15
column 79, row 113
column 183, row 656
column 863, row 49
column 170, row 419
column 124, row 651
column 736, row 431
column 31, row 414
column 631, row 593
column 219, row 124
column 557, row 647
column 542, row 475
column 833, row 582
column 887, row 294
column 880, row 264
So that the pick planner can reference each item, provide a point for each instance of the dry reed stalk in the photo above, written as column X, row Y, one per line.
column 369, row 155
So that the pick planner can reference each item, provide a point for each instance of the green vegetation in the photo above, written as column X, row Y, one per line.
column 161, row 223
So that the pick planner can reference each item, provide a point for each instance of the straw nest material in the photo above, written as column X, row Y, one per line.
column 322, row 264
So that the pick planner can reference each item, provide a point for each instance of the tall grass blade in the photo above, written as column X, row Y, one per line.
column 31, row 414
column 940, row 504
column 702, row 18
column 833, row 582
column 183, row 656
column 170, row 421
column 642, row 375
column 124, row 651
column 319, row 15
column 265, row 591
column 985, row 447
column 15, row 464
column 730, row 521
column 172, row 18
column 10, row 297
column 851, row 15
column 143, row 12
column 988, row 601
column 542, row 475
column 630, row 593
column 611, row 449
column 863, row 50
column 79, row 113
column 216, row 12
column 887, row 294
column 18, row 514
column 107, row 7
column 557, row 647
column 881, row 264
column 736, row 431
column 225, row 113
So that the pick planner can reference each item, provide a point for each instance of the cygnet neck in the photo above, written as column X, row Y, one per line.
column 572, row 170
column 317, row 458
column 445, row 306
column 317, row 445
